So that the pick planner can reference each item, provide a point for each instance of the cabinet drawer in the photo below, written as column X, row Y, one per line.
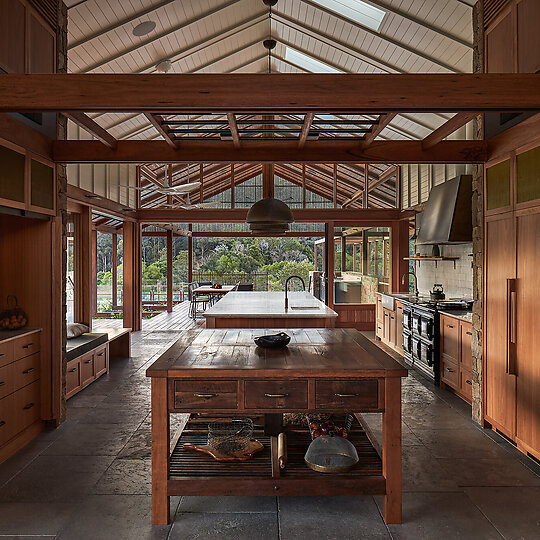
column 275, row 395
column 449, row 373
column 466, row 345
column 27, row 406
column 348, row 395
column 101, row 363
column 7, row 419
column 87, row 368
column 6, row 381
column 26, row 370
column 450, row 337
column 465, row 384
column 26, row 345
column 6, row 353
column 73, row 377
column 193, row 395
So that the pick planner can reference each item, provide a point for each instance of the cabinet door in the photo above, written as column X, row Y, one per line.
column 528, row 36
column 526, row 327
column 500, row 266
column 392, row 329
column 399, row 326
column 465, row 330
column 499, row 46
column 87, row 368
column 101, row 361
column 73, row 378
column 12, row 22
column 450, row 338
column 379, row 308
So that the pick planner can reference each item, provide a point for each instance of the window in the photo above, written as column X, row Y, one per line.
column 356, row 10
column 307, row 62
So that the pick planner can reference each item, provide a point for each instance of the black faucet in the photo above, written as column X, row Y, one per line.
column 415, row 281
column 287, row 284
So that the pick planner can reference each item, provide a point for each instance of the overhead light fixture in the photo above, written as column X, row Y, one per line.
column 269, row 43
column 269, row 216
column 144, row 28
column 164, row 66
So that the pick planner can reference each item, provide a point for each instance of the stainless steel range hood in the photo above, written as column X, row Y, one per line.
column 447, row 216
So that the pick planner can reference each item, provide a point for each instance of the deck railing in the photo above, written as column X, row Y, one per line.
column 259, row 279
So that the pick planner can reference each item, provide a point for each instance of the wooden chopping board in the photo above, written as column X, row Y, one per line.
column 245, row 454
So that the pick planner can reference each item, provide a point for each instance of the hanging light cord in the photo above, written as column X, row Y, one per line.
column 270, row 32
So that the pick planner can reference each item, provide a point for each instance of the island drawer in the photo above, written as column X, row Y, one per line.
column 26, row 345
column 354, row 395
column 193, row 395
column 275, row 394
column 6, row 353
column 26, row 371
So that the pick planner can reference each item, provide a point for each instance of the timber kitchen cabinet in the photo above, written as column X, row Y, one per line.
column 85, row 369
column 20, row 367
column 511, row 306
column 389, row 324
column 456, row 355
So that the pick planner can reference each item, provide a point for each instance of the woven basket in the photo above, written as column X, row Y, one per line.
column 13, row 317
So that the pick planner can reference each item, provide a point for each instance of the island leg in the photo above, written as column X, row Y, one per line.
column 391, row 458
column 160, row 452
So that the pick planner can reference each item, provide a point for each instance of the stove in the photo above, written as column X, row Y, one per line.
column 421, row 332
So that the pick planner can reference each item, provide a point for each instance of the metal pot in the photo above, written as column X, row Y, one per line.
column 437, row 292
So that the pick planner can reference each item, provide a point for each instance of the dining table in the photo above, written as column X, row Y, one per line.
column 209, row 290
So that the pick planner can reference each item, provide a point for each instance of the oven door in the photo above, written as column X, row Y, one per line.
column 407, row 319
column 426, row 352
column 416, row 323
column 426, row 328
column 407, row 342
column 416, row 348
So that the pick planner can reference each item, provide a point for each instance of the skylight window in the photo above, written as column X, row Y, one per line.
column 307, row 62
column 356, row 10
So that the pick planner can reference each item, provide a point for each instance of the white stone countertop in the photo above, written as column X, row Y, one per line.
column 266, row 305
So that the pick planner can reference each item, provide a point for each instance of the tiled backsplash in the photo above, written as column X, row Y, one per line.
column 457, row 282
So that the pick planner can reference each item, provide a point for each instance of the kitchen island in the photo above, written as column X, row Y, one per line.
column 222, row 371
column 267, row 310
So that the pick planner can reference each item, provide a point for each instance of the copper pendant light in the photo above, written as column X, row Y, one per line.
column 269, row 216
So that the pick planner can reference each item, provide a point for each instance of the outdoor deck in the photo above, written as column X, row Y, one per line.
column 177, row 320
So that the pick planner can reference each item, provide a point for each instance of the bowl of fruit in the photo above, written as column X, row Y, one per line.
column 13, row 317
column 328, row 428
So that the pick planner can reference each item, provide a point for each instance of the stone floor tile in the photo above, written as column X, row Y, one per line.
column 460, row 443
column 138, row 446
column 441, row 516
column 22, row 459
column 374, row 422
column 489, row 472
column 35, row 518
column 92, row 440
column 55, row 478
column 228, row 505
column 330, row 518
column 204, row 526
column 126, row 477
column 115, row 517
column 434, row 416
column 514, row 511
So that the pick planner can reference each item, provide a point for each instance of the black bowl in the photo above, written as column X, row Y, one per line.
column 273, row 341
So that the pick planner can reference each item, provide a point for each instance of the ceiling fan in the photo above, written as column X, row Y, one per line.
column 189, row 206
column 166, row 190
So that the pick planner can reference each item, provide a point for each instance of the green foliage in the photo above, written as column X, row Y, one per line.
column 278, row 273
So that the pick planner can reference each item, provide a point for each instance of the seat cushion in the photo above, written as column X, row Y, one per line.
column 86, row 342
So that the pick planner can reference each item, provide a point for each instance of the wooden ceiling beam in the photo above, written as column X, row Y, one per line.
column 305, row 215
column 306, row 126
column 384, row 120
column 281, row 93
column 84, row 121
column 133, row 151
column 457, row 121
column 161, row 129
column 234, row 129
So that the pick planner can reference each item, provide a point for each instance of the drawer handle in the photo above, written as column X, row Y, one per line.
column 347, row 395
column 2, row 423
column 2, row 354
column 101, row 354
column 3, row 383
column 450, row 370
column 468, row 382
column 449, row 326
column 29, row 370
column 276, row 395
column 205, row 395
column 88, row 361
column 469, row 333
column 73, row 370
column 28, row 346
column 29, row 406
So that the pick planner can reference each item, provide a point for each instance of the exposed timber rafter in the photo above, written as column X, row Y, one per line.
column 336, row 151
column 92, row 127
column 162, row 130
column 306, row 126
column 278, row 94
column 384, row 120
column 457, row 121
column 234, row 129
